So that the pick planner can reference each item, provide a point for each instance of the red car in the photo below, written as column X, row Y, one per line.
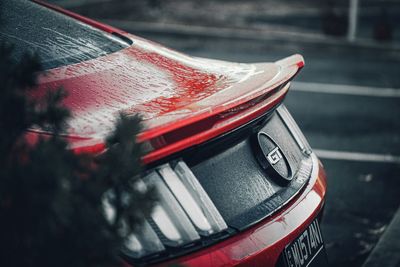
column 238, row 183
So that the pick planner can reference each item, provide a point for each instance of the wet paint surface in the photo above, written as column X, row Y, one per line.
column 56, row 39
column 160, row 84
column 172, row 92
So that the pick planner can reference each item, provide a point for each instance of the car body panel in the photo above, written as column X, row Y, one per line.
column 168, row 89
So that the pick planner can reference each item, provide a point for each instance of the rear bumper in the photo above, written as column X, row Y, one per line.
column 262, row 244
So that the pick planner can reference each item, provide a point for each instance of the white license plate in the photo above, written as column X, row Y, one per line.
column 307, row 249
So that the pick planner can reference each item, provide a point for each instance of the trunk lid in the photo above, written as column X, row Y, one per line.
column 170, row 90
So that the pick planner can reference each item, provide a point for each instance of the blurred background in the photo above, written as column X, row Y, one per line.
column 346, row 99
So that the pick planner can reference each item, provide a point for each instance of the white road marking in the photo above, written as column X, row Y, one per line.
column 345, row 89
column 356, row 156
column 316, row 254
column 77, row 3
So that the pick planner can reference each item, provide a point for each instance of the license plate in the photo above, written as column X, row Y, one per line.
column 307, row 249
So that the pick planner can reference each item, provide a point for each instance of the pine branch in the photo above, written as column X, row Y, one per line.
column 52, row 200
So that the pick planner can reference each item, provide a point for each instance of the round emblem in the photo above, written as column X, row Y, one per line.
column 272, row 158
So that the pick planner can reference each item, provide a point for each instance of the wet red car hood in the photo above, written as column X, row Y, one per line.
column 167, row 88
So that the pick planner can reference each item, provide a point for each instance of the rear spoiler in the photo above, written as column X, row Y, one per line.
column 164, row 139
column 197, row 128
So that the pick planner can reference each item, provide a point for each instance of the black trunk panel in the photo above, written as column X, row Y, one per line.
column 241, row 189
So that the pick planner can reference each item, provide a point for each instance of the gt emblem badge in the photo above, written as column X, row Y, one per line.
column 274, row 156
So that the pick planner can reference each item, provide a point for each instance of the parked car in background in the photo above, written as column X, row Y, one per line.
column 238, row 183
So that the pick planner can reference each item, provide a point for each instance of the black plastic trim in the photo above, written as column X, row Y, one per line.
column 206, row 151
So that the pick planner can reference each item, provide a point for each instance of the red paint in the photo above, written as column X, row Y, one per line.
column 174, row 93
column 171, row 91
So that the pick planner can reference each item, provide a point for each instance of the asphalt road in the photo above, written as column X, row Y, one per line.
column 354, row 132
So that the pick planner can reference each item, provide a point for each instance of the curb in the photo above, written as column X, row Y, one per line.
column 272, row 33
column 387, row 250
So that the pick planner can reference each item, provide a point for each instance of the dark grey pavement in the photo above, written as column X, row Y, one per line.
column 388, row 248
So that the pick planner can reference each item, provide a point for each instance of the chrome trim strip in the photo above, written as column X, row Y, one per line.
column 294, row 129
column 185, row 199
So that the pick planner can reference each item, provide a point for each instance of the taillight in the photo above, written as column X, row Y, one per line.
column 294, row 129
column 194, row 200
column 144, row 242
column 182, row 216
